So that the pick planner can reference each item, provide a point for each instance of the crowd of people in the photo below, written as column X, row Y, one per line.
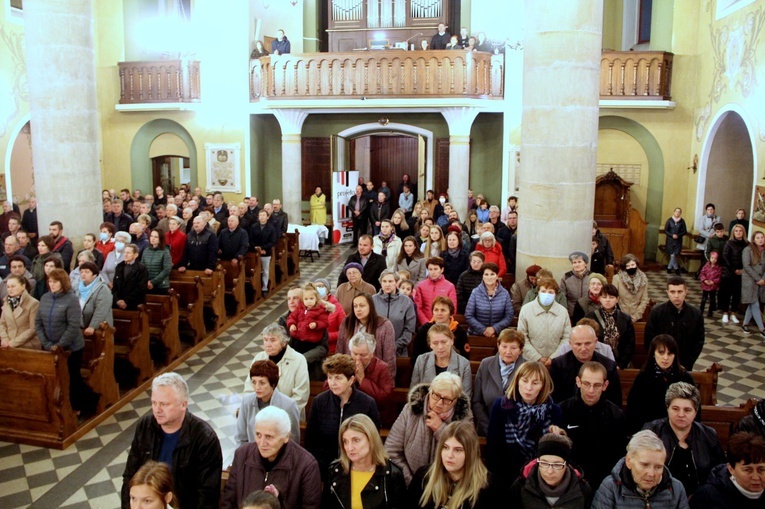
column 547, row 399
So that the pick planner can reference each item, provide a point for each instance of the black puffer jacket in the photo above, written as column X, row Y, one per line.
column 386, row 489
column 732, row 256
column 455, row 265
column 525, row 491
column 467, row 281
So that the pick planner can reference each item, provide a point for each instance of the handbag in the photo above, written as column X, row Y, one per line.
column 698, row 239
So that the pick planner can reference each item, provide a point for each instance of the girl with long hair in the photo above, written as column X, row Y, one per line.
column 457, row 478
column 411, row 258
column 435, row 242
column 152, row 487
column 753, row 282
column 363, row 317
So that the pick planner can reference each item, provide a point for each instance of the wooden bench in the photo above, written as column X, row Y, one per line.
column 293, row 250
column 641, row 349
column 35, row 408
column 724, row 419
column 706, row 381
column 98, row 366
column 164, row 317
column 213, row 290
column 280, row 263
column 191, row 306
column 253, row 274
column 131, row 341
column 481, row 347
column 234, row 283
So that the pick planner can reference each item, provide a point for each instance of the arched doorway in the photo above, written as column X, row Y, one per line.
column 170, row 162
column 19, row 183
column 141, row 163
column 728, row 167
column 655, row 178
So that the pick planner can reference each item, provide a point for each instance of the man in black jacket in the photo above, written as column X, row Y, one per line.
column 117, row 217
column 595, row 425
column 565, row 368
column 263, row 237
column 683, row 322
column 130, row 281
column 357, row 210
column 280, row 218
column 188, row 444
column 441, row 39
column 233, row 242
column 373, row 263
column 201, row 251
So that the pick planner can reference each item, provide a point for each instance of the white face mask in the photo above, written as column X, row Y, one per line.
column 442, row 200
column 119, row 246
column 546, row 299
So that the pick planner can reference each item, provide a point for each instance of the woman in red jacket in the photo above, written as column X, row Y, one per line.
column 492, row 251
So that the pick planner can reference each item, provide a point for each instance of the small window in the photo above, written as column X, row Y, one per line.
column 644, row 25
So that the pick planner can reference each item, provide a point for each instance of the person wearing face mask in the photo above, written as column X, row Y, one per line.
column 336, row 317
column 105, row 242
column 545, row 323
column 632, row 284
column 121, row 239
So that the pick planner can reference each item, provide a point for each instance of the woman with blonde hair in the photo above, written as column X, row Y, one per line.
column 363, row 476
column 435, row 242
column 457, row 478
column 519, row 419
column 400, row 225
column 152, row 487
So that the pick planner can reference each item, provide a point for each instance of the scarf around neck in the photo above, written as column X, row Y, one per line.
column 633, row 284
column 84, row 290
column 517, row 427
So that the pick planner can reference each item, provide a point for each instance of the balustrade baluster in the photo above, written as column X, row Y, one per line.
column 647, row 78
column 634, row 78
column 623, row 72
column 611, row 77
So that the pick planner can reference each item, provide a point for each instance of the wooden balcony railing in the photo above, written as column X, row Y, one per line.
column 636, row 75
column 401, row 74
column 163, row 81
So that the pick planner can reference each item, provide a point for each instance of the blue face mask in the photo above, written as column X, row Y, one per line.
column 546, row 299
column 322, row 292
column 103, row 236
column 119, row 246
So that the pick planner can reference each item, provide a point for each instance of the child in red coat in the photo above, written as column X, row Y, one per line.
column 309, row 322
column 710, row 276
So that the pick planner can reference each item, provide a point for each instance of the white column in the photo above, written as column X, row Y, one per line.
column 66, row 141
column 460, row 121
column 291, row 123
column 561, row 74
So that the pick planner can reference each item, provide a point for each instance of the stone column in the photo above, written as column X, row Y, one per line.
column 291, row 123
column 66, row 140
column 460, row 121
column 561, row 75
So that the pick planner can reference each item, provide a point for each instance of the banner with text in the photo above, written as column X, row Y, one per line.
column 343, row 187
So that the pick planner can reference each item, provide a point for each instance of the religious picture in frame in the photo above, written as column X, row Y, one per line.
column 223, row 167
column 758, row 216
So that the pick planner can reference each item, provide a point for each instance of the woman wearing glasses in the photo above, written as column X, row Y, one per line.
column 411, row 442
column 457, row 477
column 550, row 476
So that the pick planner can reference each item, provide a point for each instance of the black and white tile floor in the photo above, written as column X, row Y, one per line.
column 89, row 473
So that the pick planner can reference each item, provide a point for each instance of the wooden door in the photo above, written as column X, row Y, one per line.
column 389, row 158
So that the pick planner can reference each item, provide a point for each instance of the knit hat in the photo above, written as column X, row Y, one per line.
column 559, row 448
column 353, row 265
column 453, row 228
column 324, row 282
column 578, row 254
column 599, row 277
column 532, row 271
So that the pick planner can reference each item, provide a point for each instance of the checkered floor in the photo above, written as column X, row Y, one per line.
column 89, row 473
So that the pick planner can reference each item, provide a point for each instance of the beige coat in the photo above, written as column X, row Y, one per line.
column 633, row 304
column 545, row 331
column 18, row 326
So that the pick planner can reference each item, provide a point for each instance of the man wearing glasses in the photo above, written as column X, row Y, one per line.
column 550, row 476
column 594, row 424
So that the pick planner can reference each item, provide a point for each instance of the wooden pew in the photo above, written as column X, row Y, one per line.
column 191, row 306
column 724, row 419
column 254, row 268
column 705, row 380
column 280, row 263
column 234, row 283
column 35, row 408
column 164, row 318
column 293, row 250
column 641, row 349
column 481, row 347
column 98, row 366
column 213, row 287
column 131, row 341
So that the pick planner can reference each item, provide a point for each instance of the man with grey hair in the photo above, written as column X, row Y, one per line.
column 640, row 479
column 372, row 374
column 186, row 443
column 293, row 368
column 274, row 463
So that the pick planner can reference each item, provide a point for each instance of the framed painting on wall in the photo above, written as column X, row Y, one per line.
column 758, row 216
column 223, row 168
